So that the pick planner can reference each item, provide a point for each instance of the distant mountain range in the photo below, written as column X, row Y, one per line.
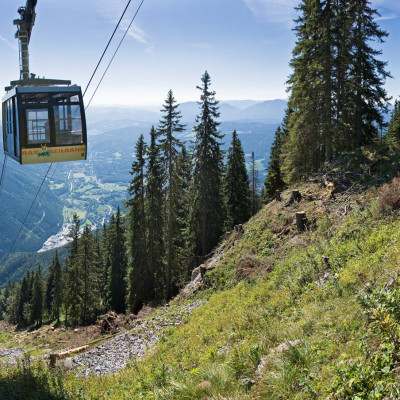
column 269, row 112
column 113, row 132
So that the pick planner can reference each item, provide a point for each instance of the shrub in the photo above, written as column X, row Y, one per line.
column 390, row 197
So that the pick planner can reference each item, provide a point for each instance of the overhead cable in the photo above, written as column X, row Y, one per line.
column 115, row 53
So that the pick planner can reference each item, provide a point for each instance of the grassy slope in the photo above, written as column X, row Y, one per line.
column 271, row 285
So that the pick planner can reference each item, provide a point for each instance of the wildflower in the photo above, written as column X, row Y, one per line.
column 351, row 360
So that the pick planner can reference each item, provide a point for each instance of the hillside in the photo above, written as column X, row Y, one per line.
column 283, row 314
column 95, row 188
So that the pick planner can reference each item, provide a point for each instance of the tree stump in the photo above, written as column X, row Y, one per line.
column 301, row 221
column 326, row 261
column 53, row 359
column 296, row 196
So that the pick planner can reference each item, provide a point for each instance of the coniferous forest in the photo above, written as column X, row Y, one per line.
column 182, row 198
column 286, row 291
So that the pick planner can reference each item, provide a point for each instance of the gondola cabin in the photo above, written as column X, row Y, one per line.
column 44, row 124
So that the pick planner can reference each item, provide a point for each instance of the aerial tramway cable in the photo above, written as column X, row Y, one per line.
column 105, row 50
column 3, row 172
column 115, row 53
column 30, row 208
column 98, row 85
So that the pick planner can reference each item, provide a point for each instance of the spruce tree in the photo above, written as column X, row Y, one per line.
column 367, row 73
column 50, row 290
column 254, row 186
column 37, row 298
column 137, row 283
column 238, row 202
column 169, row 126
column 73, row 277
column 207, row 213
column 336, row 88
column 24, row 300
column 393, row 132
column 87, row 259
column 182, row 205
column 154, row 207
column 118, row 264
column 58, row 288
column 274, row 180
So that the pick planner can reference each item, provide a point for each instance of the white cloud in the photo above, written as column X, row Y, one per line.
column 112, row 10
column 137, row 33
column 8, row 43
column 384, row 17
column 276, row 11
column 204, row 46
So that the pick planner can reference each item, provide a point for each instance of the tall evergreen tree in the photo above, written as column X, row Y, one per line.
column 137, row 292
column 274, row 179
column 182, row 205
column 57, row 292
column 118, row 264
column 73, row 277
column 169, row 126
column 237, row 185
column 87, row 260
column 367, row 73
column 37, row 298
column 207, row 213
column 255, row 200
column 393, row 132
column 24, row 299
column 154, row 207
column 336, row 88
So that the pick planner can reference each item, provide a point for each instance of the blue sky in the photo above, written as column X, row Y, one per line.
column 244, row 44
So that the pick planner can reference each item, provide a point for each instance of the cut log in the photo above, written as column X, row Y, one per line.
column 72, row 351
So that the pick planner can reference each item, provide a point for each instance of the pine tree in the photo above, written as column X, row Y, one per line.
column 137, row 292
column 58, row 289
column 336, row 88
column 87, row 260
column 207, row 213
column 154, row 207
column 182, row 205
column 393, row 132
column 73, row 277
column 118, row 264
column 50, row 289
column 255, row 200
column 37, row 298
column 367, row 73
column 237, row 185
column 274, row 180
column 24, row 300
column 169, row 126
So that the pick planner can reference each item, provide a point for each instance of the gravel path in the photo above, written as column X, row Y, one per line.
column 114, row 355
column 11, row 355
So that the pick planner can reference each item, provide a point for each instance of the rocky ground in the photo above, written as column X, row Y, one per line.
column 114, row 355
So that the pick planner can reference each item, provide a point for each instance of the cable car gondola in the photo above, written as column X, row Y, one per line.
column 43, row 119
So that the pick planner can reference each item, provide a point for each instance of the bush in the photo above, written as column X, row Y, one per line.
column 390, row 197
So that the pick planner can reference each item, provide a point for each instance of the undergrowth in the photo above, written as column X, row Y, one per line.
column 306, row 316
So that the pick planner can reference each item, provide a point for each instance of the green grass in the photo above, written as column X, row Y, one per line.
column 84, row 189
column 292, row 295
column 69, row 212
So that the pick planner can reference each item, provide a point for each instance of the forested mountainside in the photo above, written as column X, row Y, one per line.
column 92, row 189
column 281, row 310
column 217, row 291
